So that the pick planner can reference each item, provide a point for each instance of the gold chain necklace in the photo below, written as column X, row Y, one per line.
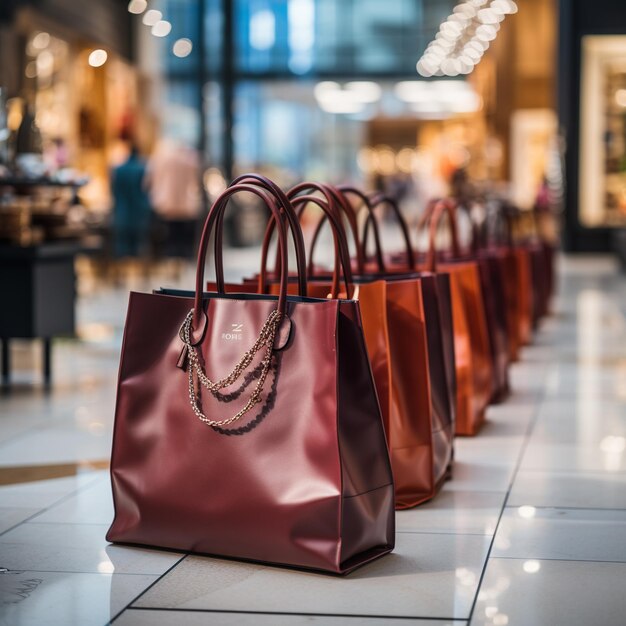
column 266, row 339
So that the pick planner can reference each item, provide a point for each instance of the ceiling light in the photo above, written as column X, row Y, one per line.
column 182, row 47
column 151, row 17
column 325, row 89
column 472, row 24
column 351, row 98
column 620, row 97
column 41, row 40
column 161, row 29
column 341, row 107
column 98, row 57
column 364, row 91
column 489, row 16
column 137, row 6
column 507, row 7
column 438, row 99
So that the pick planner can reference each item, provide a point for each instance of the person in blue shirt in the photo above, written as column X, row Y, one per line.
column 132, row 213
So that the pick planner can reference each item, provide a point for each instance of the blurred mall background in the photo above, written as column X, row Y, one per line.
column 199, row 91
column 121, row 121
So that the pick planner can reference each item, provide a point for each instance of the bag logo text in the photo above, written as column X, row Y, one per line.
column 235, row 333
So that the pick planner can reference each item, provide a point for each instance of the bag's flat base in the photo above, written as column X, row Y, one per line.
column 351, row 565
column 435, row 492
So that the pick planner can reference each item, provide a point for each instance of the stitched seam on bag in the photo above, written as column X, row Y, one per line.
column 356, row 495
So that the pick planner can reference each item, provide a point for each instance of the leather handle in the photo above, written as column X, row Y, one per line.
column 378, row 199
column 439, row 209
column 449, row 207
column 200, row 321
column 477, row 242
column 331, row 196
column 337, row 200
column 503, row 216
column 342, row 253
column 294, row 226
column 349, row 190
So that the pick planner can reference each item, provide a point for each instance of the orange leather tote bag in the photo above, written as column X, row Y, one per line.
column 247, row 426
column 436, row 300
column 499, row 237
column 490, row 265
column 394, row 325
column 472, row 347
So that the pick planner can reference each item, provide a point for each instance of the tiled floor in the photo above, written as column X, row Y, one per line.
column 531, row 531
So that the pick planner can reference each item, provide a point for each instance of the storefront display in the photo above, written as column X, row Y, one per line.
column 603, row 132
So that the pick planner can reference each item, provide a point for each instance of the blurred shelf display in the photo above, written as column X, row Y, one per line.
column 42, row 282
column 37, row 210
column 602, row 199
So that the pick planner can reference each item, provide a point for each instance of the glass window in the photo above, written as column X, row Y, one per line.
column 180, row 116
column 338, row 36
column 280, row 127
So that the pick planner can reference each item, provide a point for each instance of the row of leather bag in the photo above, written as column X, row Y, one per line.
column 282, row 419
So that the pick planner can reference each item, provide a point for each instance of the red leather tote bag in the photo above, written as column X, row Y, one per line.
column 247, row 426
column 474, row 361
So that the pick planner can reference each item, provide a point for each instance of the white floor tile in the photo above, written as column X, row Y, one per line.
column 66, row 599
column 93, row 505
column 427, row 576
column 12, row 516
column 486, row 450
column 577, row 490
column 43, row 493
column 454, row 512
column 57, row 445
column 573, row 408
column 13, row 426
column 605, row 430
column 474, row 475
column 571, row 457
column 570, row 384
column 567, row 534
column 77, row 548
column 152, row 617
column 551, row 593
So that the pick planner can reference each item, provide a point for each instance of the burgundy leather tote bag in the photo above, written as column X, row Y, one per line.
column 247, row 426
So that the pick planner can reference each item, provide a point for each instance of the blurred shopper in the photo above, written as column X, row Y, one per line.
column 131, row 208
column 173, row 181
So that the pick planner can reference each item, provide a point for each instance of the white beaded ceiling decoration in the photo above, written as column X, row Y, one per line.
column 464, row 37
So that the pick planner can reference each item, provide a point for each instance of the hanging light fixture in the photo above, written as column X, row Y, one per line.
column 464, row 37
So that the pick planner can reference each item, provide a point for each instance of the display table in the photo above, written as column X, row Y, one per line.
column 39, row 287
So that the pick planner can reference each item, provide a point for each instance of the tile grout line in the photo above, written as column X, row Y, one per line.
column 81, row 572
column 520, row 558
column 571, row 508
column 141, row 593
column 461, row 620
column 529, row 429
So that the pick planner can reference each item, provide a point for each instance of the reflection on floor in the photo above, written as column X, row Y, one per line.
column 530, row 531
